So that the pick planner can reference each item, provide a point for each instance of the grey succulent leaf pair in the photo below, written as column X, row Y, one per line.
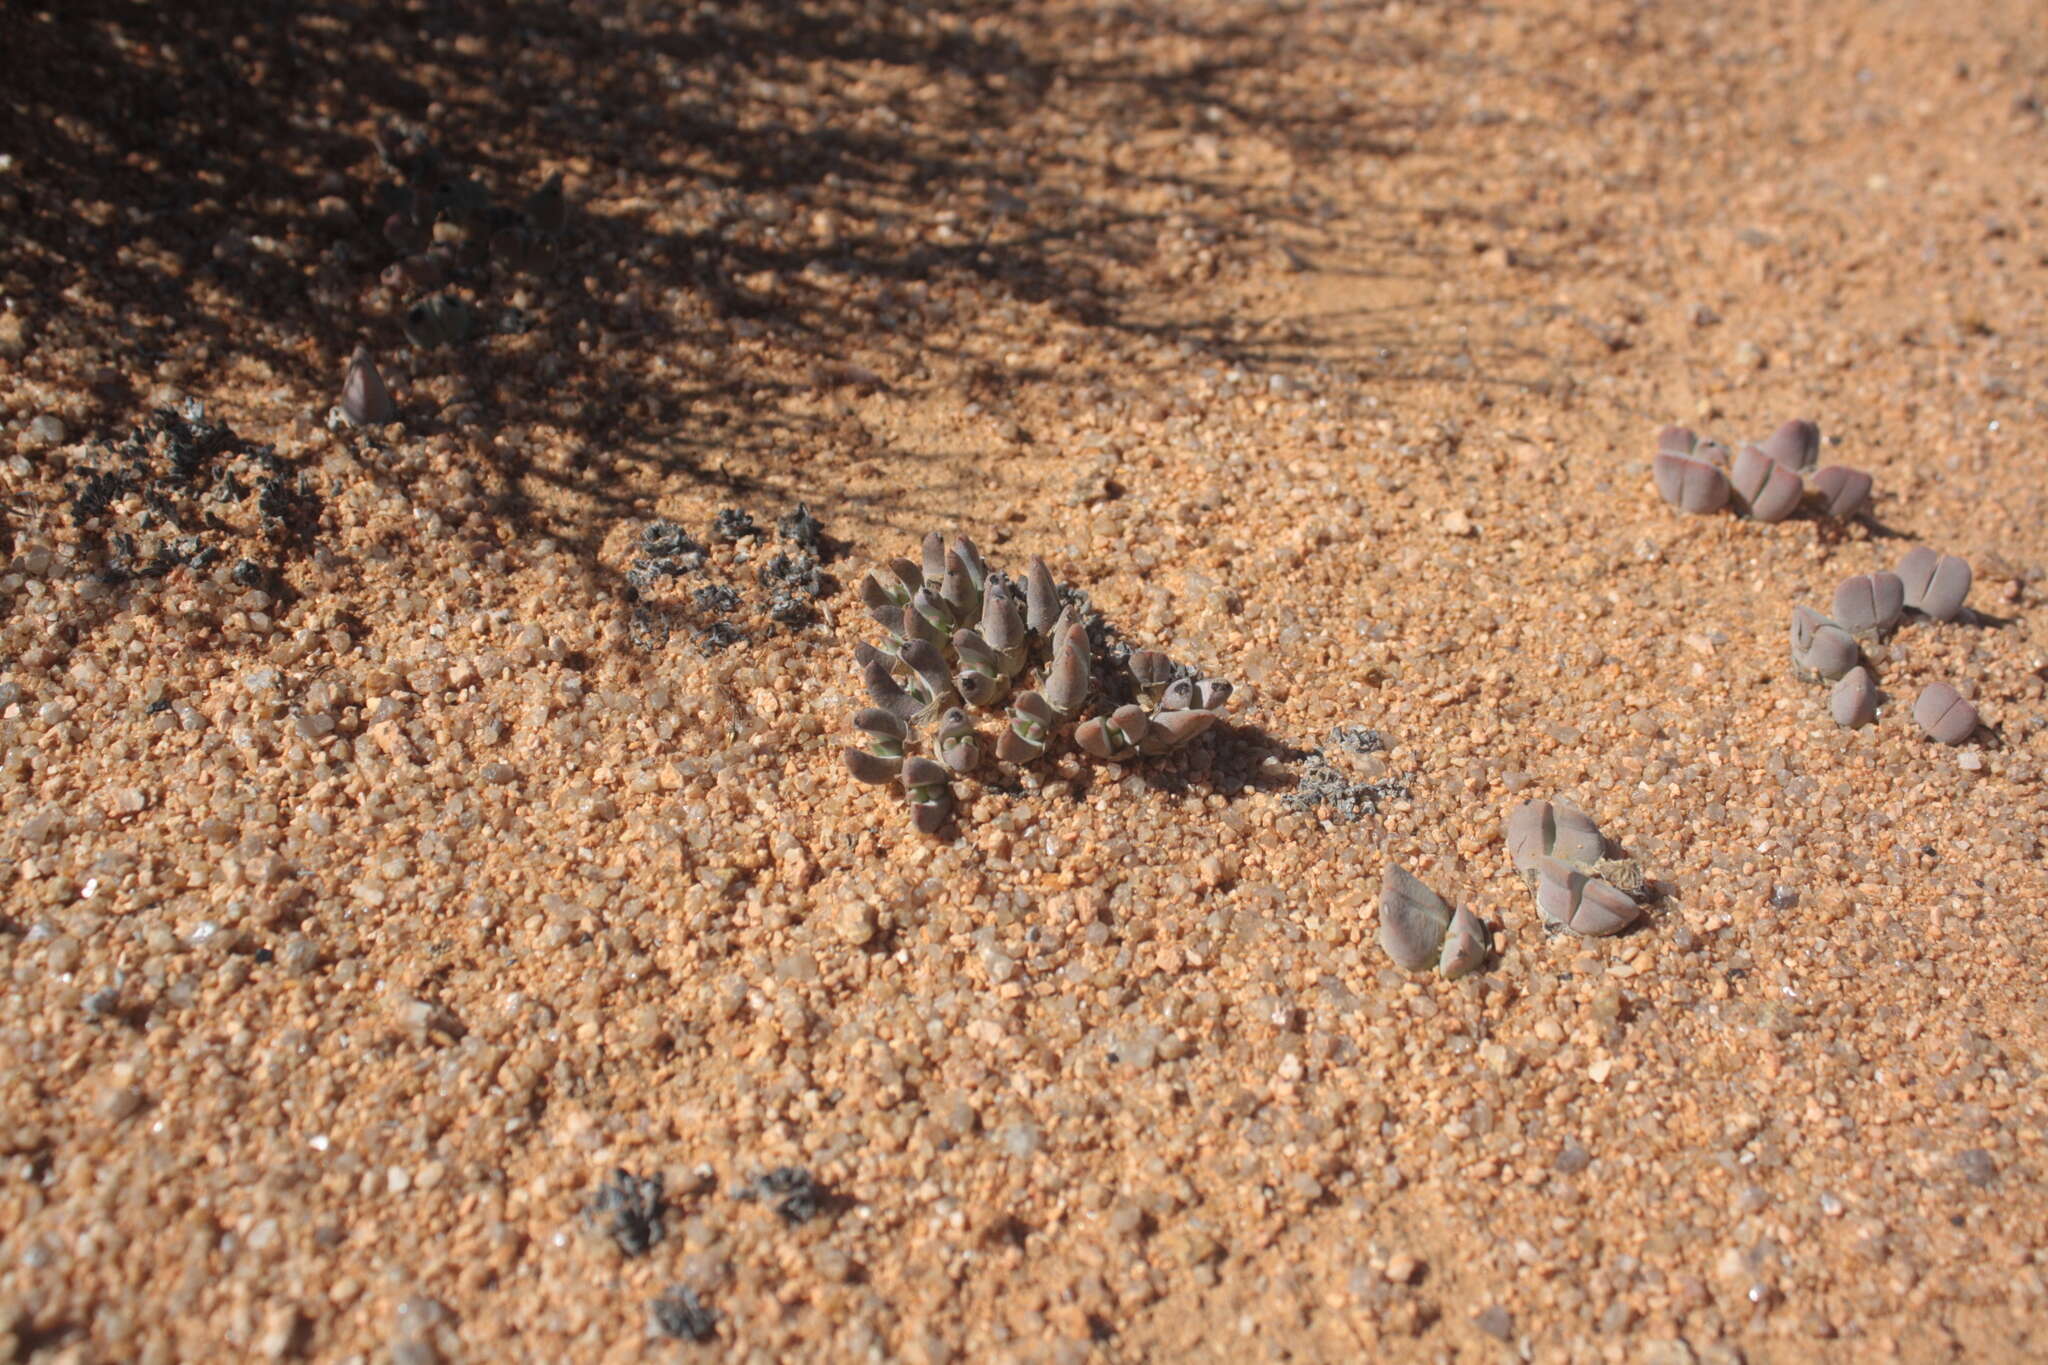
column 960, row 638
column 439, row 320
column 1765, row 481
column 1564, row 858
column 1421, row 932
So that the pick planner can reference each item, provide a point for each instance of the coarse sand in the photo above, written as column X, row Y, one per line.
column 438, row 924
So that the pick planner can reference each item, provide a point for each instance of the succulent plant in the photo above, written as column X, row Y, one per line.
column 1843, row 492
column 1564, row 858
column 1853, row 702
column 956, row 641
column 364, row 399
column 1571, row 899
column 1945, row 714
column 1763, row 480
column 1689, row 483
column 1869, row 605
column 1421, row 932
column 1795, row 445
column 1764, row 489
column 1935, row 584
column 1821, row 650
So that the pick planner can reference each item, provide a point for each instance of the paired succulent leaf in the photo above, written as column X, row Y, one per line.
column 930, row 789
column 1945, row 714
column 1764, row 489
column 1690, row 484
column 1934, row 584
column 1868, row 605
column 1421, row 932
column 1795, row 445
column 1821, row 650
column 1066, row 686
column 958, row 743
column 1562, row 855
column 1844, row 492
column 1029, row 731
column 1116, row 736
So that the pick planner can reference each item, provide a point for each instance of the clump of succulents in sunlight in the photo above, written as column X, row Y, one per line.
column 1763, row 481
column 974, row 668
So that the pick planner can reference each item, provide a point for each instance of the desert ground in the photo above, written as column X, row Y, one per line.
column 439, row 924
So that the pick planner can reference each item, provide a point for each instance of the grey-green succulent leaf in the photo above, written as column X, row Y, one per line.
column 1945, row 714
column 1168, row 730
column 1041, row 598
column 1821, row 650
column 930, row 788
column 1935, row 584
column 1853, row 702
column 1413, row 920
column 874, row 769
column 1467, row 945
column 1066, row 684
column 887, row 693
column 1843, row 492
column 1764, row 489
column 1868, row 605
column 1795, row 445
column 1030, row 727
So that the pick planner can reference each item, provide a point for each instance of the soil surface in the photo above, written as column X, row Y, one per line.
column 438, row 923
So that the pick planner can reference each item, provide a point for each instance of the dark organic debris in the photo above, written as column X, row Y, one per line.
column 631, row 1210
column 805, row 530
column 717, row 597
column 719, row 636
column 733, row 524
column 787, row 610
column 1356, row 739
column 679, row 1313
column 795, row 1193
column 666, row 551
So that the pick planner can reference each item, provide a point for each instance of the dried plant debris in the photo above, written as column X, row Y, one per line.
column 793, row 1192
column 1945, row 714
column 1325, row 787
column 959, row 638
column 803, row 530
column 1765, row 481
column 678, row 1312
column 1853, row 702
column 180, row 491
column 630, row 1210
column 1821, row 650
column 793, row 581
column 1421, row 932
column 1934, row 584
column 1581, row 885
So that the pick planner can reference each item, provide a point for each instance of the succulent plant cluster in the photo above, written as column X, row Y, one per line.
column 962, row 639
column 1764, row 481
column 1580, row 886
column 1421, row 932
column 447, row 232
column 1866, row 609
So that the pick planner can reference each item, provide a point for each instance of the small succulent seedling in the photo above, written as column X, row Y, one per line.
column 958, row 743
column 1795, row 445
column 1115, row 736
column 1821, row 650
column 1935, row 584
column 930, row 789
column 364, row 399
column 1031, row 725
column 1843, row 492
column 1853, row 702
column 1764, row 489
column 1868, row 605
column 1419, row 930
column 1945, row 714
column 882, row 760
column 1585, row 905
column 956, row 641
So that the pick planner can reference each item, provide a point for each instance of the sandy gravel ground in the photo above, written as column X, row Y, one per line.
column 437, row 924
